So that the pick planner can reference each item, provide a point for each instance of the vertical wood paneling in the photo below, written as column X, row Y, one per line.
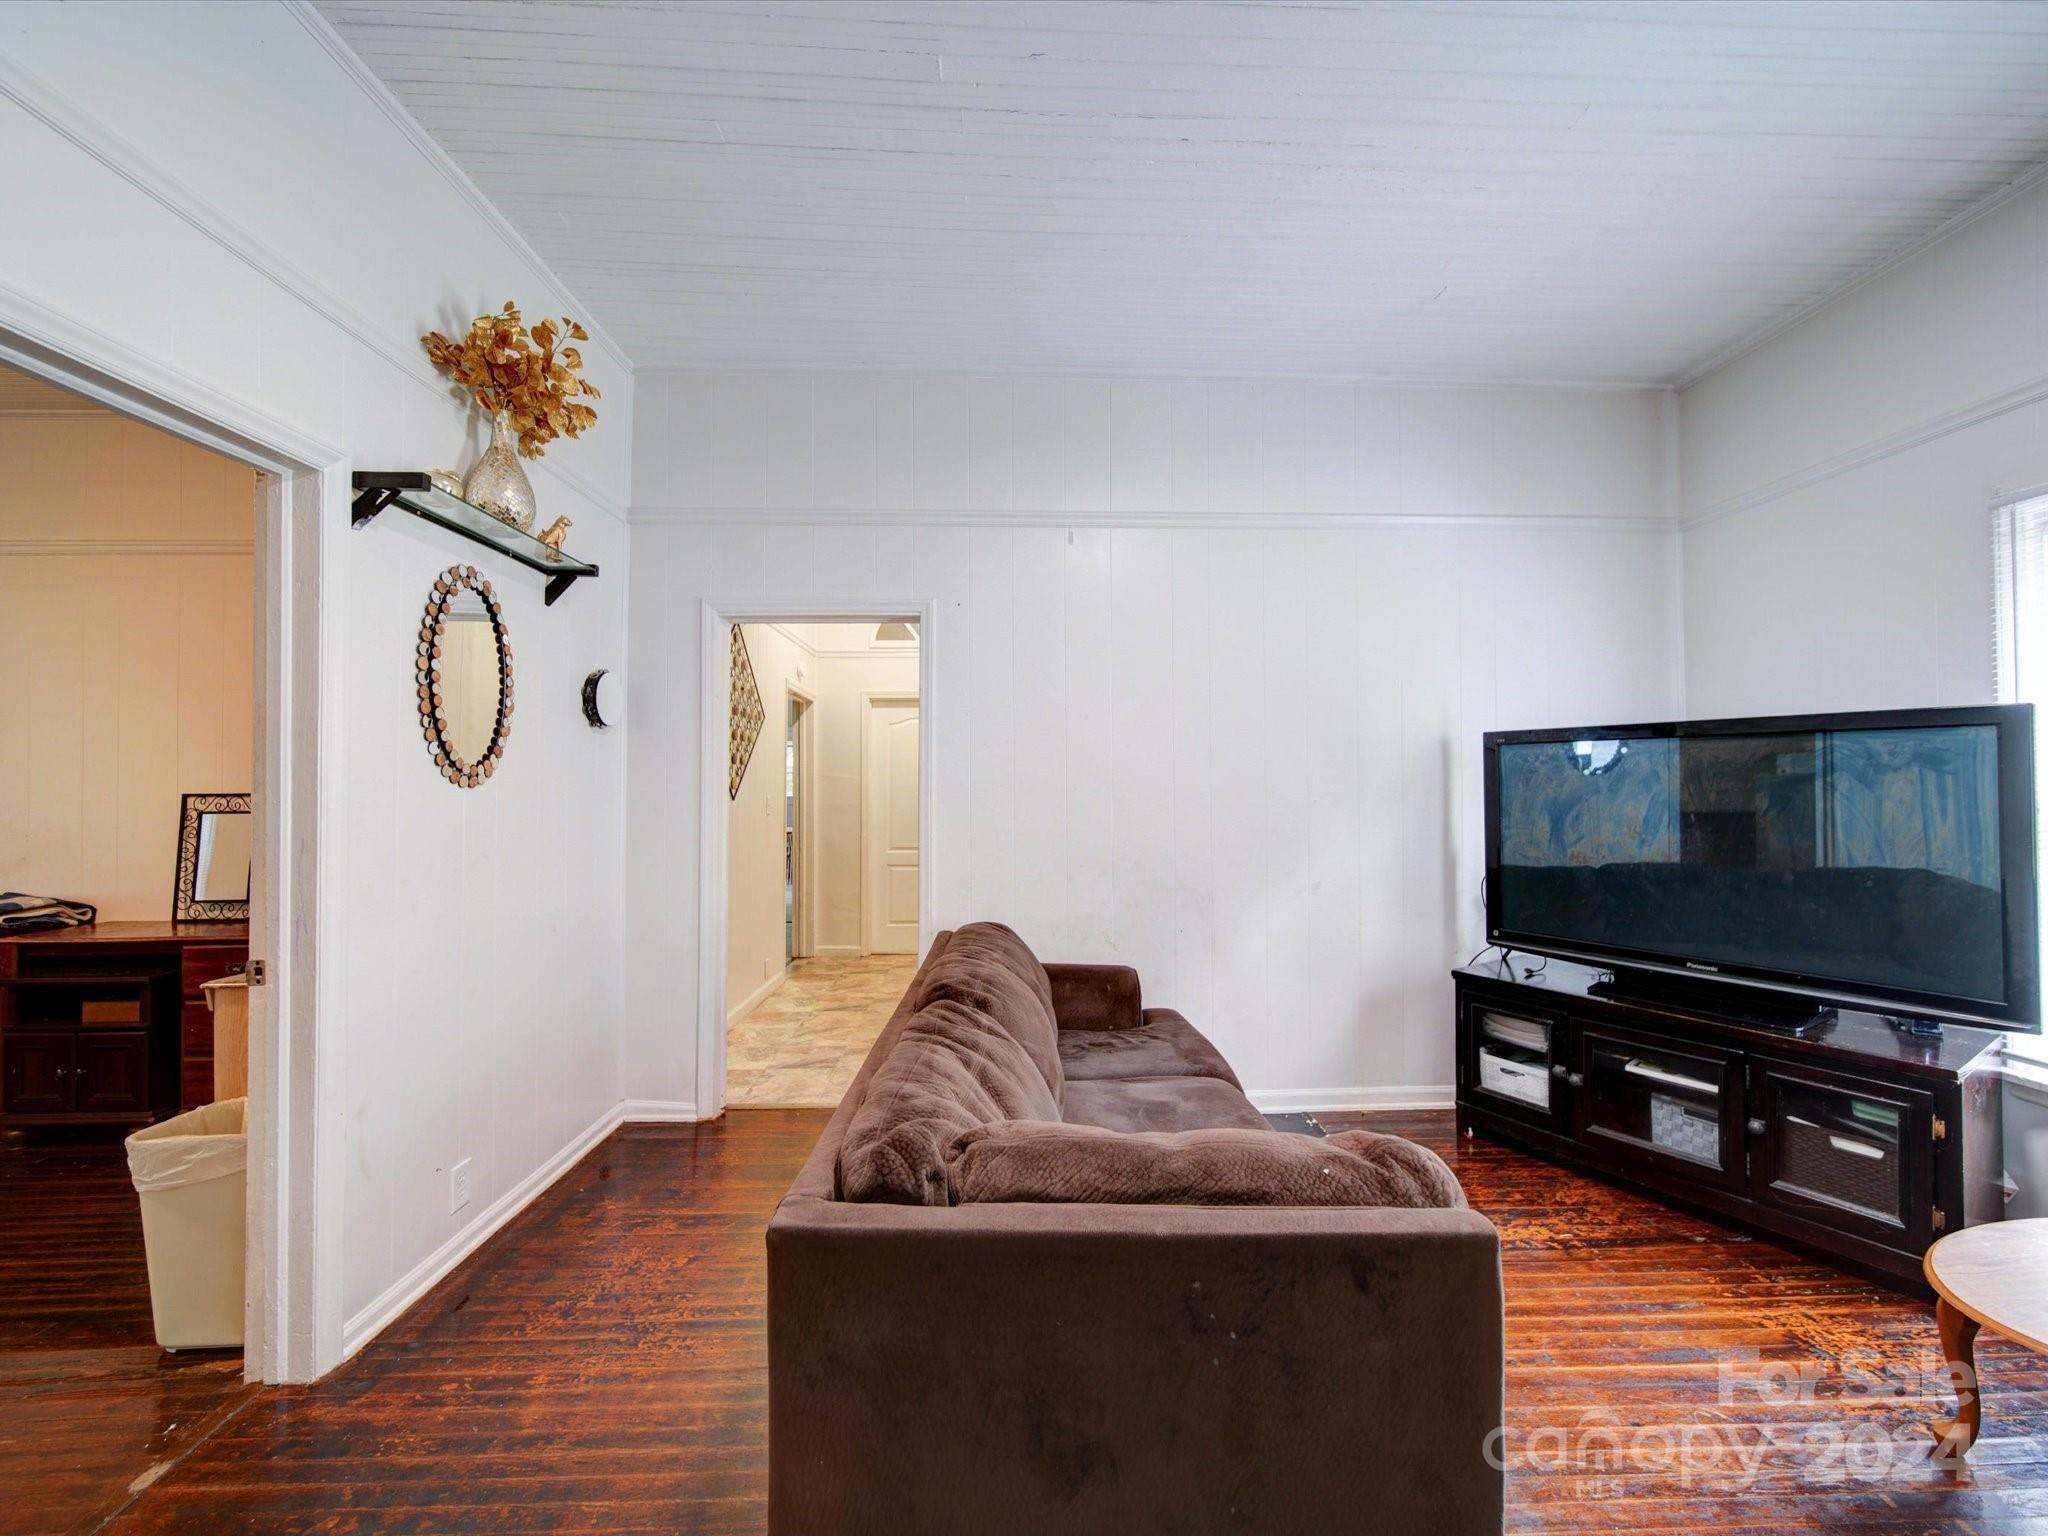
column 789, row 435
column 1190, row 685
column 1087, row 445
column 129, row 674
column 845, row 453
column 1143, row 757
column 895, row 439
column 1088, row 731
column 941, row 449
column 1037, row 559
column 1141, row 445
column 991, row 466
column 1242, row 758
column 1040, row 442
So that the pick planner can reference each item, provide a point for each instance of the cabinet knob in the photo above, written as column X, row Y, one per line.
column 1757, row 1127
column 1559, row 1069
column 1576, row 1079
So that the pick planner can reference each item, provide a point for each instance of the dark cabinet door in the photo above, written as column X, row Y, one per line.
column 1844, row 1152
column 1512, row 1061
column 113, row 1073
column 1679, row 1104
column 40, row 1071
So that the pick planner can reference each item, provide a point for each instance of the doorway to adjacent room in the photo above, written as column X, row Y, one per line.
column 159, row 669
column 823, row 882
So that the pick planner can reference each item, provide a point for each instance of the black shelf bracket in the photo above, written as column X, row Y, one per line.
column 414, row 492
column 369, row 502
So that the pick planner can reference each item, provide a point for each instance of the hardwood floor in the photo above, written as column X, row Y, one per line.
column 88, row 1403
column 599, row 1367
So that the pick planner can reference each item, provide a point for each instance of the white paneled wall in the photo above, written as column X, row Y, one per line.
column 793, row 445
column 1838, row 482
column 1230, row 735
column 219, row 196
column 127, row 608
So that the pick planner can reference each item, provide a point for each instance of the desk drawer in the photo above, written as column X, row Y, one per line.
column 210, row 962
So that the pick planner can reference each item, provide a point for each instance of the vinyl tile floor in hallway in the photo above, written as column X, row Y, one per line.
column 802, row 1044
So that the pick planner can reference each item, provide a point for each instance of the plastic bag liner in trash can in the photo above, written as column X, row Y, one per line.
column 190, row 1172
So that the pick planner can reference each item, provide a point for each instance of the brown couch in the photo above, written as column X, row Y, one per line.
column 1048, row 1271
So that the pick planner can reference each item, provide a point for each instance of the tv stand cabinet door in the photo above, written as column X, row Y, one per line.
column 1513, row 1060
column 1675, row 1105
column 1845, row 1152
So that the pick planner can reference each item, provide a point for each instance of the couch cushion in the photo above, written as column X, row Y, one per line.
column 951, row 1069
column 1034, row 1161
column 1165, row 1045
column 1159, row 1104
column 1096, row 996
column 986, row 966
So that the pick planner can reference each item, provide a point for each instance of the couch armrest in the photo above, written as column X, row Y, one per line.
column 1095, row 1369
column 1095, row 996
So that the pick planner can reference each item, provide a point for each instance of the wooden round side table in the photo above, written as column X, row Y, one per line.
column 1991, row 1276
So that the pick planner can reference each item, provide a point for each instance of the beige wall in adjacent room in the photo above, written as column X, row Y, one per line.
column 126, row 629
column 837, row 666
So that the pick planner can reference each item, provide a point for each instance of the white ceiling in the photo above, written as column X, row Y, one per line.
column 1486, row 191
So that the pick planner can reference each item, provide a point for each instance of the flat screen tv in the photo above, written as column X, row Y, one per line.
column 1882, row 860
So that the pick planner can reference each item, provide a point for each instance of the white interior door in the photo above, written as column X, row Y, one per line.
column 889, row 828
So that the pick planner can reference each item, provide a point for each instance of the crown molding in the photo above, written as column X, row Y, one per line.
column 2019, row 397
column 1736, row 350
column 365, row 78
column 903, row 648
column 178, row 199
column 1025, row 517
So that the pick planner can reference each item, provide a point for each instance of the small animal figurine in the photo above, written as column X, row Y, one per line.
column 554, row 533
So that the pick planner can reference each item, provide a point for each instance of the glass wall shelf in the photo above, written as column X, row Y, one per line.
column 413, row 491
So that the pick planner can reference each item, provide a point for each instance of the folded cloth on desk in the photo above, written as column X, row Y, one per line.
column 1530, row 1037
column 22, row 913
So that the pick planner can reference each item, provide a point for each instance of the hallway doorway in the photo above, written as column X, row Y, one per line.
column 824, row 805
column 800, row 1047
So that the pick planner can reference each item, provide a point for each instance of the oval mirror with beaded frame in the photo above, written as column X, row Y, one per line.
column 433, row 702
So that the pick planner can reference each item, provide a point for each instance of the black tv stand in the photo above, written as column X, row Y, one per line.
column 1855, row 1138
column 1919, row 1029
column 1780, row 1011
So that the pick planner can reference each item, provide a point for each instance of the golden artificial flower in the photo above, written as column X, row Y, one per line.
column 506, row 367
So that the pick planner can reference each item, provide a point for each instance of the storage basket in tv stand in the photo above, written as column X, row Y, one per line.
column 1856, row 1139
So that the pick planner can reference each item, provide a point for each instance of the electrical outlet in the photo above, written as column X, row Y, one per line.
column 458, row 1186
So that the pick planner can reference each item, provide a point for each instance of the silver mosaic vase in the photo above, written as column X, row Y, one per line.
column 498, row 485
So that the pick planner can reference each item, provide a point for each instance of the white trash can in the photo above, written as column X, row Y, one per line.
column 191, row 1172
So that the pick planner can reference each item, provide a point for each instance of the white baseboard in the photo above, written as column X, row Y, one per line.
column 835, row 951
column 1308, row 1101
column 650, row 1111
column 753, row 999
column 431, row 1270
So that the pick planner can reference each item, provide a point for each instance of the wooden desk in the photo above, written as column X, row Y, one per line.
column 106, row 1024
column 1994, row 1276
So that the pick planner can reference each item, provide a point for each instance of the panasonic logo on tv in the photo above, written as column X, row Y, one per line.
column 1694, row 965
